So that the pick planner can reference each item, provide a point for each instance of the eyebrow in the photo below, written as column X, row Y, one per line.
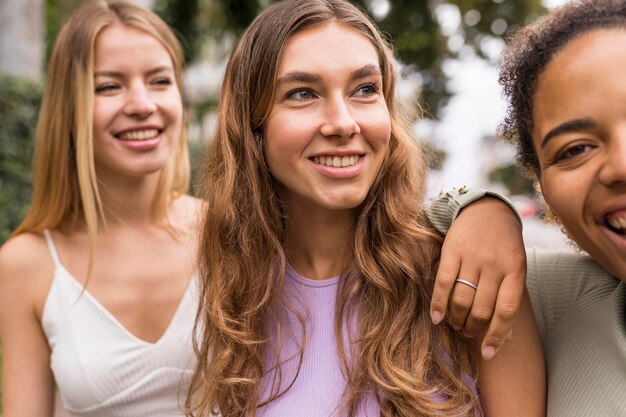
column 366, row 71
column 575, row 125
column 153, row 71
column 307, row 77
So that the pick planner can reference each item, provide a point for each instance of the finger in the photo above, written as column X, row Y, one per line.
column 481, row 312
column 462, row 298
column 505, row 312
column 444, row 282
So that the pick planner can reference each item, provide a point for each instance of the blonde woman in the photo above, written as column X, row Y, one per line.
column 316, row 261
column 96, row 288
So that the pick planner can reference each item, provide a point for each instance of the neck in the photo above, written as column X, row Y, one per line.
column 128, row 201
column 318, row 241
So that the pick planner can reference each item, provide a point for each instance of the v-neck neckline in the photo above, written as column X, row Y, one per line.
column 111, row 317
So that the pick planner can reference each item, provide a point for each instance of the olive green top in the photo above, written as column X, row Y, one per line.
column 581, row 314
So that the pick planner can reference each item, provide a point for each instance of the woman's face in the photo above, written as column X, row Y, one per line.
column 329, row 128
column 579, row 111
column 137, row 105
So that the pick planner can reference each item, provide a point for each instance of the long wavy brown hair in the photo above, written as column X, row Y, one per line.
column 400, row 358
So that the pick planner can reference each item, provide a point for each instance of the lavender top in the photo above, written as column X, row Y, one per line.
column 317, row 389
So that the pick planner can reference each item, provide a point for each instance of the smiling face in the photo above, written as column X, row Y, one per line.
column 329, row 128
column 137, row 106
column 579, row 133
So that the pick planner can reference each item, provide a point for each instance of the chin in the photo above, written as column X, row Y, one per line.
column 345, row 205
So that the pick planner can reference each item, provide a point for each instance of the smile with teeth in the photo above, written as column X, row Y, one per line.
column 336, row 161
column 139, row 134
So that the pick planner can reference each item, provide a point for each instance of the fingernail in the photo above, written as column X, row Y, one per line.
column 436, row 317
column 488, row 352
column 455, row 327
column 469, row 336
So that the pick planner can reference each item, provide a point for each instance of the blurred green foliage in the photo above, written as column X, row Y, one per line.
column 414, row 27
column 514, row 179
column 19, row 105
column 56, row 12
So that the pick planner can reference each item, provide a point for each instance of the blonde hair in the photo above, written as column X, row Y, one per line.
column 402, row 357
column 65, row 183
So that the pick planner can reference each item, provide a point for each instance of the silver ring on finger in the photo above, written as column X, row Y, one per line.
column 466, row 282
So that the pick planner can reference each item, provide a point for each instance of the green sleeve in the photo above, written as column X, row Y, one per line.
column 443, row 210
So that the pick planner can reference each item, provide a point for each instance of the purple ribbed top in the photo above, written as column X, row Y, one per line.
column 317, row 389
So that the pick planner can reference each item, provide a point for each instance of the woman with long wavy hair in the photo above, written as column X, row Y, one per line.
column 316, row 260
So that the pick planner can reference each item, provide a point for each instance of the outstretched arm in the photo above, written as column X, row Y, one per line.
column 483, row 249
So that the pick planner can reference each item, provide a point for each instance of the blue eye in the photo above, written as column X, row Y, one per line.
column 300, row 94
column 366, row 90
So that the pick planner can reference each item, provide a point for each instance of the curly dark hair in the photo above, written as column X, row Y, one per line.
column 528, row 53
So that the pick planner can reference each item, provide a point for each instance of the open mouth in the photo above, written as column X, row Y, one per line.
column 138, row 135
column 336, row 161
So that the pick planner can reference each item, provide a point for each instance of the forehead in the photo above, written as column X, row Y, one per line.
column 328, row 46
column 119, row 42
column 589, row 50
column 585, row 73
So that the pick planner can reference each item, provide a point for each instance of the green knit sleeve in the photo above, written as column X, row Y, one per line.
column 444, row 209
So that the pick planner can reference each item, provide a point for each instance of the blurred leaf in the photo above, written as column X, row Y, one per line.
column 513, row 179
column 19, row 105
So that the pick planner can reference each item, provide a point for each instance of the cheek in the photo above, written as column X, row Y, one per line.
column 174, row 106
column 555, row 194
column 284, row 136
column 566, row 198
column 100, row 111
column 274, row 150
column 377, row 130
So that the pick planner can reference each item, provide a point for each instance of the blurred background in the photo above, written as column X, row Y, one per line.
column 448, row 50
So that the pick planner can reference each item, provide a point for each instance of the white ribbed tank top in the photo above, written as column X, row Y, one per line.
column 103, row 370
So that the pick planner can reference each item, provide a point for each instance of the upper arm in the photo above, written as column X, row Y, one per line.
column 514, row 383
column 25, row 275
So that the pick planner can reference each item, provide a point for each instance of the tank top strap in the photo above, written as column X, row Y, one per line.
column 51, row 247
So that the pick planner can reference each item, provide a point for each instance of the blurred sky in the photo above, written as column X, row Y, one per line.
column 472, row 113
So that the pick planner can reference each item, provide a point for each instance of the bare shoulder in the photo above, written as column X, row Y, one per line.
column 24, row 252
column 26, row 267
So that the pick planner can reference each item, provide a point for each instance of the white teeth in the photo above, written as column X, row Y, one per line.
column 139, row 134
column 618, row 222
column 336, row 161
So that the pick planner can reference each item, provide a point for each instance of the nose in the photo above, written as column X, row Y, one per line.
column 613, row 169
column 338, row 120
column 139, row 103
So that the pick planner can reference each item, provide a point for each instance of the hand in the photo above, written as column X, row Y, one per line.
column 484, row 246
